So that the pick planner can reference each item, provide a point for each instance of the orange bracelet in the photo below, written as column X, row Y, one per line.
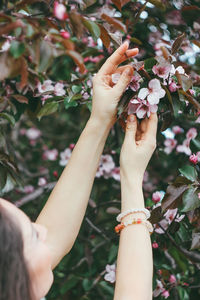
column 122, row 225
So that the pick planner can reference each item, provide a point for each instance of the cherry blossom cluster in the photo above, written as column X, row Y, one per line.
column 171, row 143
column 48, row 88
column 169, row 216
column 107, row 168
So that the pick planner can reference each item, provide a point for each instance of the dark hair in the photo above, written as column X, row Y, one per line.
column 14, row 277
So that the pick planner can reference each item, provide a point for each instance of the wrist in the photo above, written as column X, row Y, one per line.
column 103, row 122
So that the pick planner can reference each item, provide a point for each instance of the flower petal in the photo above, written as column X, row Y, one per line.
column 154, row 84
column 161, row 93
column 143, row 93
column 153, row 98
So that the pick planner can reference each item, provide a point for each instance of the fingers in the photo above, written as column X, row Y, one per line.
column 120, row 55
column 151, row 127
column 124, row 80
column 131, row 128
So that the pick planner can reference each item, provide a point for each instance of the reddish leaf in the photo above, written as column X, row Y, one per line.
column 6, row 29
column 24, row 73
column 177, row 43
column 156, row 215
column 172, row 196
column 69, row 45
column 11, row 67
column 115, row 22
column 76, row 23
column 196, row 42
column 104, row 36
column 20, row 98
column 190, row 7
column 4, row 17
column 117, row 4
column 78, row 59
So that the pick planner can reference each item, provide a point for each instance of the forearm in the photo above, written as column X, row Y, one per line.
column 66, row 206
column 135, row 262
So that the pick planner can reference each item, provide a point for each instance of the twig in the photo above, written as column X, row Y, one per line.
column 193, row 256
column 96, row 228
column 35, row 194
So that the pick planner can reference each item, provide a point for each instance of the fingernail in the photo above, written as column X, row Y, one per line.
column 126, row 42
column 128, row 71
column 131, row 118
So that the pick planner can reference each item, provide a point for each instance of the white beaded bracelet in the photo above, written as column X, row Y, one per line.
column 132, row 210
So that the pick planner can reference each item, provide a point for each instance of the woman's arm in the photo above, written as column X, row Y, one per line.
column 65, row 208
column 135, row 263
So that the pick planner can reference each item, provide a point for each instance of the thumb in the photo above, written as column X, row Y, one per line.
column 124, row 80
column 131, row 127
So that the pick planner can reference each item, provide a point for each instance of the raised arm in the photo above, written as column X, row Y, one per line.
column 134, row 263
column 64, row 211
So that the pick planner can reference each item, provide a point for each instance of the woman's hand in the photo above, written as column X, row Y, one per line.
column 138, row 147
column 106, row 95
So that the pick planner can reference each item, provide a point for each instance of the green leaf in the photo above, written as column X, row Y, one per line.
column 76, row 89
column 3, row 176
column 8, row 117
column 189, row 172
column 149, row 63
column 47, row 109
column 87, row 284
column 17, row 49
column 92, row 27
column 71, row 282
column 107, row 288
column 190, row 199
column 70, row 101
column 112, row 253
column 183, row 294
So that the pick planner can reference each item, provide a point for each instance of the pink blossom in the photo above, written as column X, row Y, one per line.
column 65, row 156
column 28, row 189
column 33, row 133
column 196, row 26
column 50, row 154
column 163, row 68
column 42, row 181
column 198, row 155
column 170, row 215
column 59, row 11
column 179, row 69
column 141, row 108
column 155, row 245
column 173, row 87
column 159, row 288
column 165, row 294
column 71, row 146
column 170, row 144
column 6, row 46
column 177, row 129
column 193, row 159
column 172, row 278
column 116, row 173
column 107, row 163
column 65, row 34
column 156, row 197
column 45, row 87
column 59, row 89
column 111, row 273
column 153, row 93
column 192, row 133
column 174, row 18
column 199, row 195
column 135, row 82
column 185, row 147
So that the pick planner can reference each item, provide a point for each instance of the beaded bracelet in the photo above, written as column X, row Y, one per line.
column 121, row 226
column 132, row 210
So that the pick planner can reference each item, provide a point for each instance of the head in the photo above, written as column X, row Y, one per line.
column 25, row 259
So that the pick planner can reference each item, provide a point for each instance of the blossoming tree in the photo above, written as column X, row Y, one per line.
column 49, row 51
